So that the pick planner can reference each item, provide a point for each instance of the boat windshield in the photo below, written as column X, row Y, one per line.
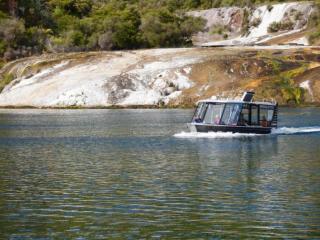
column 214, row 113
column 199, row 113
column 231, row 114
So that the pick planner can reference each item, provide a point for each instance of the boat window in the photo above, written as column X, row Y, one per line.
column 270, row 114
column 199, row 113
column 213, row 113
column 266, row 112
column 254, row 115
column 231, row 114
column 264, row 116
column 244, row 115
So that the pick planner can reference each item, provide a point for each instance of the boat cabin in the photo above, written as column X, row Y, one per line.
column 242, row 115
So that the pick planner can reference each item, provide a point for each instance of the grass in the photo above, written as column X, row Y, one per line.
column 219, row 29
column 2, row 63
column 290, row 92
column 284, row 86
column 6, row 79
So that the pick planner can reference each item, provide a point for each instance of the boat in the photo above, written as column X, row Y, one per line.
column 235, row 115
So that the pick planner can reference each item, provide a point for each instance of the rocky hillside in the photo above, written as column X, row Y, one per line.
column 170, row 77
column 278, row 23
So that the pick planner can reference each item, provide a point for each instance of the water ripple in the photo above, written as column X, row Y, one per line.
column 120, row 174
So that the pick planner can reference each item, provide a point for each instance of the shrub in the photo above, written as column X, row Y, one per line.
column 286, row 25
column 10, row 54
column 105, row 41
column 245, row 23
column 72, row 40
column 92, row 41
column 2, row 63
column 36, row 37
column 125, row 33
column 11, row 30
column 274, row 27
column 269, row 7
column 275, row 66
column 289, row 91
column 256, row 22
column 218, row 29
column 298, row 15
column 314, row 23
column 75, row 38
column 280, row 26
column 314, row 37
column 166, row 29
column 6, row 79
column 3, row 47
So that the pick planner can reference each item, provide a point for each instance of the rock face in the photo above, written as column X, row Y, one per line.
column 219, row 21
column 170, row 77
column 146, row 77
column 247, row 26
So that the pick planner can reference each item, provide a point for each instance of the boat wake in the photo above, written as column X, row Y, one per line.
column 295, row 130
column 278, row 131
column 213, row 135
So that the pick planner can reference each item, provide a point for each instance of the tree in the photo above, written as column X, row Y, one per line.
column 126, row 29
column 12, row 7
column 163, row 28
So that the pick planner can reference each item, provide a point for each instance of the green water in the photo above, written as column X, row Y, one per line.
column 121, row 174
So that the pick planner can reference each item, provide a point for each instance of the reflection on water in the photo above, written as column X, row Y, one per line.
column 97, row 174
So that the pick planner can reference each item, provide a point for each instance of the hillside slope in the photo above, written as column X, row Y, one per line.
column 257, row 25
column 170, row 77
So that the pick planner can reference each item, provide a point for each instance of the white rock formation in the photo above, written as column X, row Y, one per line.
column 295, row 12
column 306, row 85
column 127, row 78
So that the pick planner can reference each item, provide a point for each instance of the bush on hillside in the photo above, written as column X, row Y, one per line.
column 269, row 7
column 280, row 26
column 35, row 26
column 314, row 23
column 255, row 22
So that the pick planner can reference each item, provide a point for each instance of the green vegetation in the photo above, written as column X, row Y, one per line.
column 269, row 7
column 6, row 79
column 256, row 22
column 280, row 26
column 275, row 66
column 220, row 30
column 314, row 23
column 245, row 22
column 283, row 88
column 282, row 83
column 35, row 26
column 290, row 92
column 286, row 86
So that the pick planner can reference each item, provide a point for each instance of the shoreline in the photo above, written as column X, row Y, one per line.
column 134, row 107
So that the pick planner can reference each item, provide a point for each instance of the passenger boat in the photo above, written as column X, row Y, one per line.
column 237, row 116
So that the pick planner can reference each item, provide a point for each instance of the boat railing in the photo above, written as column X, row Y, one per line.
column 268, row 101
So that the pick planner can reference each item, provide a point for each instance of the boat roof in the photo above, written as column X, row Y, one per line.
column 236, row 101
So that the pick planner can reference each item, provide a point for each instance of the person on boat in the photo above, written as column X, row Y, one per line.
column 198, row 120
column 242, row 121
column 216, row 119
column 264, row 122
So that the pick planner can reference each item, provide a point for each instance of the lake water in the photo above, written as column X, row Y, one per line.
column 128, row 174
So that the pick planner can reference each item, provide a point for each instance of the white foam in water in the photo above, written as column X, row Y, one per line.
column 278, row 131
column 213, row 135
column 295, row 130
